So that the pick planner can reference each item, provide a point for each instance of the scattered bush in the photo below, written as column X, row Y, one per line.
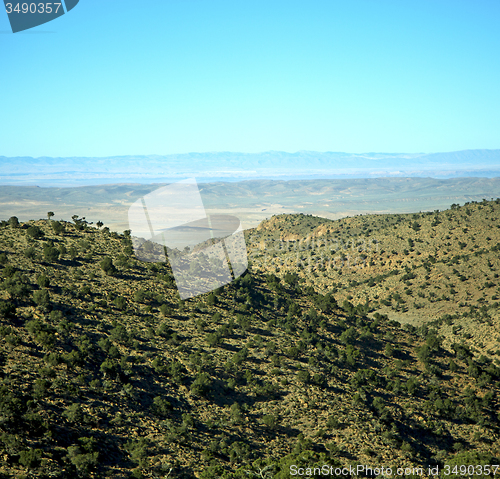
column 42, row 298
column 43, row 281
column 58, row 227
column 201, row 385
column 107, row 266
column 35, row 232
column 50, row 253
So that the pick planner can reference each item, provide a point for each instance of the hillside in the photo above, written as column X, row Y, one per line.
column 106, row 373
column 440, row 266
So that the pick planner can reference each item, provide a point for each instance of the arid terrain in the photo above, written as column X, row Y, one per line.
column 302, row 361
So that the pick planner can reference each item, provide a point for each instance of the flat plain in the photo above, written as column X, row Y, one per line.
column 254, row 200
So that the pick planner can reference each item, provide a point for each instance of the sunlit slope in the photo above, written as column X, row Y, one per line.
column 415, row 267
column 105, row 373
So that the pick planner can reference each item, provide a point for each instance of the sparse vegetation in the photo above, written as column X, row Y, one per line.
column 106, row 373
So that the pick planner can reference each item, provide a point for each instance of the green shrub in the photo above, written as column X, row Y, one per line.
column 82, row 461
column 303, row 376
column 161, row 406
column 13, row 221
column 140, row 296
column 42, row 298
column 43, row 281
column 211, row 299
column 108, row 367
column 35, row 232
column 7, row 309
column 349, row 336
column 58, row 227
column 42, row 333
column 9, row 271
column 30, row 458
column 74, row 413
column 201, row 384
column 50, row 253
column 119, row 334
column 120, row 302
column 138, row 450
column 165, row 310
column 107, row 266
column 235, row 413
column 30, row 252
column 270, row 421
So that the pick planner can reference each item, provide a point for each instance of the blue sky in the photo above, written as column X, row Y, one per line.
column 121, row 77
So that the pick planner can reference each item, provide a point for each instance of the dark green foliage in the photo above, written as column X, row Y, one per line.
column 138, row 450
column 7, row 309
column 15, row 283
column 211, row 299
column 107, row 266
column 412, row 385
column 240, row 356
column 30, row 458
column 140, row 296
column 349, row 336
column 236, row 413
column 165, row 310
column 424, row 353
column 108, row 368
column 325, row 303
column 50, row 253
column 86, row 384
column 3, row 259
column 74, row 413
column 41, row 388
column 270, row 421
column 244, row 321
column 83, row 461
column 42, row 333
column 303, row 376
column 58, row 227
column 291, row 279
column 119, row 334
column 42, row 298
column 161, row 406
column 35, row 232
column 201, row 385
column 13, row 221
column 120, row 302
column 8, row 271
column 43, row 281
column 333, row 423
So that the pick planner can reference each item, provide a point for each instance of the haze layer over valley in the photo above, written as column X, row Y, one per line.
column 255, row 200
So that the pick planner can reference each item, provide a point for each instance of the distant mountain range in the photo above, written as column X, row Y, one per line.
column 228, row 166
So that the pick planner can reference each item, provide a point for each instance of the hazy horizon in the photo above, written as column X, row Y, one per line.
column 237, row 166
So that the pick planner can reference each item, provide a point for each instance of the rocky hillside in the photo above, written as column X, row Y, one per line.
column 441, row 267
column 105, row 373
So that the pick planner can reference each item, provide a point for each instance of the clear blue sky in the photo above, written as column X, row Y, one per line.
column 122, row 77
